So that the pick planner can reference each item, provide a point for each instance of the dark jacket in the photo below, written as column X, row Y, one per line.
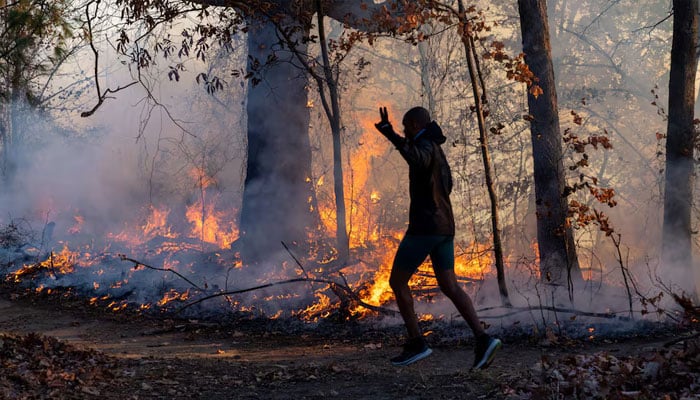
column 430, row 182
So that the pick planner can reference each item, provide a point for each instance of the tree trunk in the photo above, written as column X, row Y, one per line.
column 277, row 187
column 4, row 106
column 678, row 194
column 425, row 69
column 558, row 260
column 277, row 184
column 333, row 114
column 5, row 142
column 478, row 90
column 14, row 114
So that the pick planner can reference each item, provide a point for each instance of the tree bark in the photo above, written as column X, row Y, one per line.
column 5, row 143
column 277, row 184
column 678, row 193
column 558, row 259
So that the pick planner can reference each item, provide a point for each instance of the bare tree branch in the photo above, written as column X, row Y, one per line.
column 101, row 97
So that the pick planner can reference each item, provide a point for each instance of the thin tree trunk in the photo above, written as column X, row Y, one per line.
column 333, row 115
column 15, row 119
column 4, row 109
column 479, row 97
column 678, row 194
column 5, row 142
column 558, row 259
column 425, row 62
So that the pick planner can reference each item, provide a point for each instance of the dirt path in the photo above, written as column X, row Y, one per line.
column 163, row 359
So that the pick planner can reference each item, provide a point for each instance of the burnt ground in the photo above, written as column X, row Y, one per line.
column 99, row 354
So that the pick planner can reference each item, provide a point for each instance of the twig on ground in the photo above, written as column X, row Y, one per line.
column 138, row 263
column 518, row 310
column 681, row 339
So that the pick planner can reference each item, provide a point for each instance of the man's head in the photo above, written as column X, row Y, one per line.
column 414, row 120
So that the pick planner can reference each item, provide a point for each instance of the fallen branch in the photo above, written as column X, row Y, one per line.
column 461, row 279
column 303, row 270
column 335, row 285
column 138, row 263
column 340, row 288
column 681, row 339
column 518, row 310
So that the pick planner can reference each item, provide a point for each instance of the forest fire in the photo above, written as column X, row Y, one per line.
column 200, row 250
column 221, row 170
column 206, row 225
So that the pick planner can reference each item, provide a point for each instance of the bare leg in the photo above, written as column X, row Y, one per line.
column 449, row 285
column 399, row 284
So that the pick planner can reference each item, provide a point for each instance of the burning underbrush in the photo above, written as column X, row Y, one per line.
column 181, row 260
column 157, row 267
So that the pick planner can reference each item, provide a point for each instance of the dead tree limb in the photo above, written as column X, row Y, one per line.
column 681, row 339
column 518, row 310
column 139, row 263
column 306, row 274
column 101, row 97
column 335, row 285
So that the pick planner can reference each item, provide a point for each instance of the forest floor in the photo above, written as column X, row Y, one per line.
column 61, row 348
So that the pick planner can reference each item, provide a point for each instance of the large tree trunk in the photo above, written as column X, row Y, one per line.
column 558, row 260
column 277, row 185
column 678, row 194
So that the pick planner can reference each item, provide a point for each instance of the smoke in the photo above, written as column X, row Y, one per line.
column 93, row 184
column 97, row 183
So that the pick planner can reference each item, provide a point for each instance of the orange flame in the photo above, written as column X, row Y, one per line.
column 157, row 224
column 173, row 295
column 79, row 220
column 362, row 199
column 208, row 225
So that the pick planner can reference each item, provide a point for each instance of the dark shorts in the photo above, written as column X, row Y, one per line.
column 414, row 249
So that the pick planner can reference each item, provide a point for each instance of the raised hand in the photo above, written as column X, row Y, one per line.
column 384, row 115
column 384, row 126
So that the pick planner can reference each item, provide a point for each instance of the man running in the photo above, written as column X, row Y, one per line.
column 431, row 231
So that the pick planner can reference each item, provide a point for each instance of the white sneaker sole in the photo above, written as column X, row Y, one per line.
column 489, row 354
column 415, row 358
